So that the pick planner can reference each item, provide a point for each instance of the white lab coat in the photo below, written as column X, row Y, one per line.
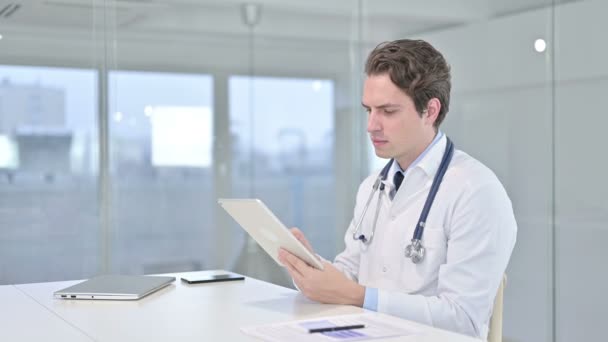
column 469, row 236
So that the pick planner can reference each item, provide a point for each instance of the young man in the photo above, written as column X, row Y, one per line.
column 470, row 231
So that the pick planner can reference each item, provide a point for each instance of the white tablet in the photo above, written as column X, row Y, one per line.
column 266, row 229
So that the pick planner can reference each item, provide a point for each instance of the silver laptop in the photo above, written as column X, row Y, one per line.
column 115, row 287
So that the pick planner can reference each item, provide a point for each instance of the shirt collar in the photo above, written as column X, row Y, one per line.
column 430, row 164
column 425, row 161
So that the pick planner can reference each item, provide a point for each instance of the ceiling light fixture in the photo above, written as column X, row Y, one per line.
column 540, row 45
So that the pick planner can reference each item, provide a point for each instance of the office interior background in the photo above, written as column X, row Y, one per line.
column 123, row 121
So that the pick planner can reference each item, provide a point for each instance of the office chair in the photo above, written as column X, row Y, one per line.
column 495, row 329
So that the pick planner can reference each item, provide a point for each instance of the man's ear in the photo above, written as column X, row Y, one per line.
column 433, row 107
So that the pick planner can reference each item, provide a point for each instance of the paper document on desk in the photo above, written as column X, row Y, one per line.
column 376, row 326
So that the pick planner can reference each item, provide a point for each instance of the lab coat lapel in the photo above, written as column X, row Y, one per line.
column 415, row 185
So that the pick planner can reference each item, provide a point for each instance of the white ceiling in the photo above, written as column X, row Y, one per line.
column 334, row 20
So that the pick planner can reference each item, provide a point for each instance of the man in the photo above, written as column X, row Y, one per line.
column 470, row 231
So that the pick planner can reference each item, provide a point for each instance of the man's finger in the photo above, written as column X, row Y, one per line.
column 297, row 263
column 296, row 231
column 298, row 279
column 300, row 236
column 295, row 274
column 288, row 259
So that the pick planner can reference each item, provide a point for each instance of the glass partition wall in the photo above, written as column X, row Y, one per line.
column 49, row 142
column 122, row 122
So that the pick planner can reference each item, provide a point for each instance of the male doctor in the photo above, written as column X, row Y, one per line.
column 470, row 231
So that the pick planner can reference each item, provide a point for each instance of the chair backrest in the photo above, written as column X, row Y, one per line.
column 495, row 329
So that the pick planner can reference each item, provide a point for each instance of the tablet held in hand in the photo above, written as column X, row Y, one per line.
column 266, row 229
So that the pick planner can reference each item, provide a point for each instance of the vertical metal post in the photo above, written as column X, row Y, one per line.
column 101, row 49
column 222, row 173
column 553, row 233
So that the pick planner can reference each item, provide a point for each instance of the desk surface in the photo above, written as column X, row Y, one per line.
column 197, row 312
column 23, row 319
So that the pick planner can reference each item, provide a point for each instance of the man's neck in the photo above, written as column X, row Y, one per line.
column 404, row 164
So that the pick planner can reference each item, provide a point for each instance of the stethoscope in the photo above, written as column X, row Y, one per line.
column 415, row 250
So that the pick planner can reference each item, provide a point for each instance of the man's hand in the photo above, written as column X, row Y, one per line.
column 300, row 236
column 328, row 286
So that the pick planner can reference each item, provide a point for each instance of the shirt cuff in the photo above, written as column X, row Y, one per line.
column 370, row 302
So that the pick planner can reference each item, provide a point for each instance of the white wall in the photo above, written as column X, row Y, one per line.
column 509, row 103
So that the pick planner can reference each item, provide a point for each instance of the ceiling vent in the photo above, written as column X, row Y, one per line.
column 8, row 10
column 120, row 4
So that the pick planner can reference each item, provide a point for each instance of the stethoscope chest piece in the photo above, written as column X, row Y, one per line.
column 415, row 251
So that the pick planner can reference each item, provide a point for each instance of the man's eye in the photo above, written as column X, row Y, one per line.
column 390, row 111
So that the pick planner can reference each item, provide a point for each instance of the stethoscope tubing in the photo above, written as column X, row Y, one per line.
column 415, row 250
column 443, row 167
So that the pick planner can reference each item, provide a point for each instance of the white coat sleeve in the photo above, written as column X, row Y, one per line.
column 481, row 236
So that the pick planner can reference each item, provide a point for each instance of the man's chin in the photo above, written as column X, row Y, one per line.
column 382, row 154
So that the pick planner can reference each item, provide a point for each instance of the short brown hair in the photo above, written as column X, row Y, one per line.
column 417, row 68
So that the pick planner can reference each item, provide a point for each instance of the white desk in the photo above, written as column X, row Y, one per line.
column 22, row 319
column 199, row 312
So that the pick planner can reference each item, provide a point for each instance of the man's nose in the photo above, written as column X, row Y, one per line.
column 373, row 125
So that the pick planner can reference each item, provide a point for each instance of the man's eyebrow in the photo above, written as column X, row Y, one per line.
column 382, row 106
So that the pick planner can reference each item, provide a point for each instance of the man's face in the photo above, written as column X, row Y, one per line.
column 394, row 126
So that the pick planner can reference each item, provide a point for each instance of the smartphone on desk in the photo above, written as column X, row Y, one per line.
column 211, row 278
